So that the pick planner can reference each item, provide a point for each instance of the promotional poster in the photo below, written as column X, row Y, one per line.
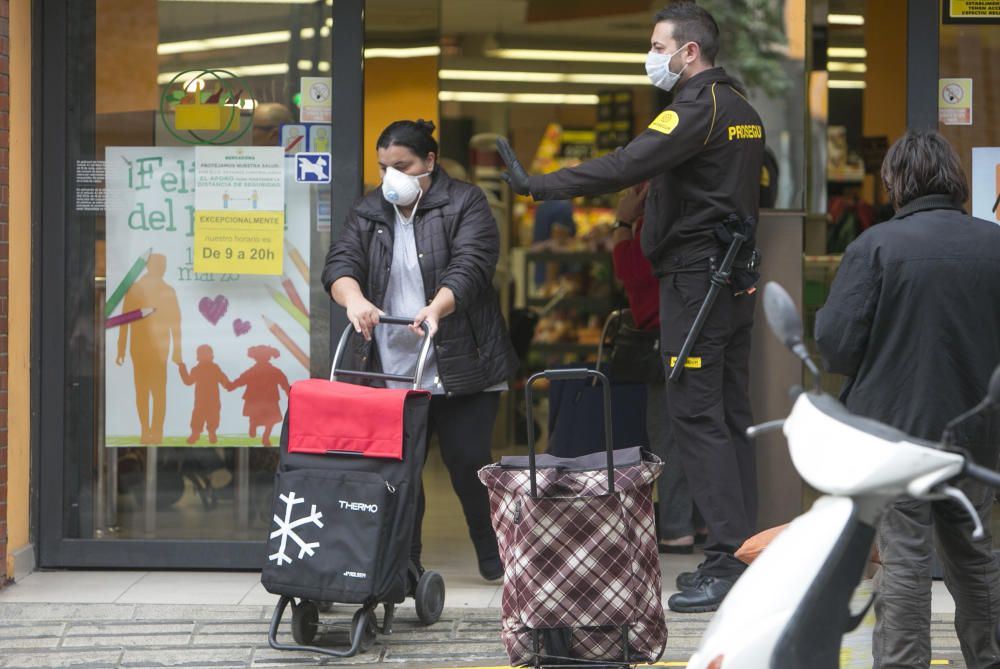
column 196, row 358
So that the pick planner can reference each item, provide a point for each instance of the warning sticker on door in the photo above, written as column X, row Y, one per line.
column 955, row 102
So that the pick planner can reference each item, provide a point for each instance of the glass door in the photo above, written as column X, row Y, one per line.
column 967, row 108
column 180, row 256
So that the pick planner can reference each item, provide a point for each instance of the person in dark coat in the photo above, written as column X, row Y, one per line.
column 426, row 245
column 702, row 156
column 912, row 320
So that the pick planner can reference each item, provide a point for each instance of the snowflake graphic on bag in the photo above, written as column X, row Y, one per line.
column 286, row 529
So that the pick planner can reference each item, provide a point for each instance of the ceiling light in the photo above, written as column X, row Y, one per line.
column 403, row 52
column 845, row 19
column 324, row 65
column 238, row 41
column 846, row 52
column 637, row 79
column 541, row 77
column 496, row 75
column 585, row 56
column 838, row 66
column 224, row 42
column 241, row 71
column 844, row 83
column 525, row 98
column 329, row 3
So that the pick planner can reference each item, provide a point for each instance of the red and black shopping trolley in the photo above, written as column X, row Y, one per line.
column 344, row 505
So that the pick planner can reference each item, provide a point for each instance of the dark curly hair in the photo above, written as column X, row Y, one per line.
column 415, row 135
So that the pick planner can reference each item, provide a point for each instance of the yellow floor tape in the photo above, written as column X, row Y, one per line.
column 942, row 663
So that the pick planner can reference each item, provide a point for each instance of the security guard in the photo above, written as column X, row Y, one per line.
column 703, row 156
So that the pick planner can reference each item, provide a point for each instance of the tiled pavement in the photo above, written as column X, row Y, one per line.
column 136, row 635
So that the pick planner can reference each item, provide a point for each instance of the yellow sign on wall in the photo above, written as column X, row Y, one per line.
column 239, row 242
column 972, row 11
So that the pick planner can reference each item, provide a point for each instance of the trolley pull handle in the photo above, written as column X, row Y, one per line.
column 568, row 375
column 388, row 320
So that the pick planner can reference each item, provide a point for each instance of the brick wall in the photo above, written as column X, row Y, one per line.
column 4, row 273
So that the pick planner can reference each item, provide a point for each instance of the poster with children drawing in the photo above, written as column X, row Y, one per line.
column 195, row 358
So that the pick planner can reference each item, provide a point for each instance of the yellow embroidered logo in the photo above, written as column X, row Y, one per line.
column 765, row 177
column 690, row 363
column 665, row 122
column 745, row 132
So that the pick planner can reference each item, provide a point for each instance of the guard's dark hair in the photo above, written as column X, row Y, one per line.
column 692, row 24
column 922, row 162
column 415, row 135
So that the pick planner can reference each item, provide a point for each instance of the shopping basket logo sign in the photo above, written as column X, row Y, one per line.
column 286, row 529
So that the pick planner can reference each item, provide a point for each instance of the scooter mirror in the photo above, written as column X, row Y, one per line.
column 782, row 316
column 993, row 390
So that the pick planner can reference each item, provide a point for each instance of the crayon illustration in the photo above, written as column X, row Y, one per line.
column 996, row 203
column 287, row 305
column 286, row 341
column 151, row 342
column 293, row 295
column 126, row 283
column 300, row 264
column 261, row 399
column 206, row 377
column 128, row 317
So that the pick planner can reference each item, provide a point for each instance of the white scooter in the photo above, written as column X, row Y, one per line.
column 791, row 608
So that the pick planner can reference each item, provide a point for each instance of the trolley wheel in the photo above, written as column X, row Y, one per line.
column 305, row 619
column 429, row 597
column 368, row 628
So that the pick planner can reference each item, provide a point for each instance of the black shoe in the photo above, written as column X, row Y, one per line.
column 706, row 596
column 687, row 580
column 674, row 549
column 491, row 568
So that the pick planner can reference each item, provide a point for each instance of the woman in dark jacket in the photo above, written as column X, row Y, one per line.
column 423, row 244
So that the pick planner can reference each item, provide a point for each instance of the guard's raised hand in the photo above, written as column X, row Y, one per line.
column 515, row 175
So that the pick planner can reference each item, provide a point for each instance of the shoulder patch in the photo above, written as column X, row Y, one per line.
column 665, row 122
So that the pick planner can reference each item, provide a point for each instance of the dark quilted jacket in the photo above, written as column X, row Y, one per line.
column 457, row 246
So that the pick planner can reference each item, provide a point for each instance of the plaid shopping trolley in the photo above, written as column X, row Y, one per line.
column 577, row 537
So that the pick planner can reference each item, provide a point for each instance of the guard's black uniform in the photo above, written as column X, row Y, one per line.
column 703, row 156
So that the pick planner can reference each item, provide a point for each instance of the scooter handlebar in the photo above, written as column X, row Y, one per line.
column 982, row 474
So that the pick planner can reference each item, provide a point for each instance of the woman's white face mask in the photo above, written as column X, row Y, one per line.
column 399, row 188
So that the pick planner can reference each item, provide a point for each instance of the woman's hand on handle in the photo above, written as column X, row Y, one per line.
column 427, row 315
column 363, row 315
column 442, row 305
column 346, row 292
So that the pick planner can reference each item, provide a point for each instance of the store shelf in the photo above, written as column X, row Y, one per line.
column 563, row 347
column 601, row 305
column 564, row 256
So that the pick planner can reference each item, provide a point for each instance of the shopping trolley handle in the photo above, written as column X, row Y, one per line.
column 568, row 375
column 358, row 374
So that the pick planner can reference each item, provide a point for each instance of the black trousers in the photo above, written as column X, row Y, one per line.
column 464, row 426
column 709, row 410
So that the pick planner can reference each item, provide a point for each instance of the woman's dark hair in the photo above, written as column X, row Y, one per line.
column 692, row 24
column 414, row 135
column 922, row 162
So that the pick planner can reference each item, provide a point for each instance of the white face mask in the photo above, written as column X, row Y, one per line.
column 399, row 188
column 658, row 69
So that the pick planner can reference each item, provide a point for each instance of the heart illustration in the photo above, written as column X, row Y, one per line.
column 213, row 309
column 241, row 327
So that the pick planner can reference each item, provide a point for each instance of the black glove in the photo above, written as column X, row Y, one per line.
column 515, row 174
